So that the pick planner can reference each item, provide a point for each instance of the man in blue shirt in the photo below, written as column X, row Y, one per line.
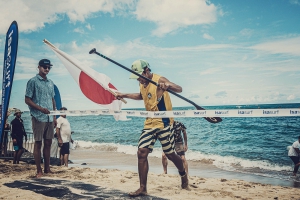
column 39, row 97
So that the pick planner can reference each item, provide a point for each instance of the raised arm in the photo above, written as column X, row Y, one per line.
column 134, row 96
column 165, row 84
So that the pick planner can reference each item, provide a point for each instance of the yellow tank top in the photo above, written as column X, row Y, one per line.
column 151, row 104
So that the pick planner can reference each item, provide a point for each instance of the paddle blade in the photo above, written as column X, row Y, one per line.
column 213, row 119
column 209, row 119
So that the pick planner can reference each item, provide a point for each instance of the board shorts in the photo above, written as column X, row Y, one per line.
column 65, row 148
column 42, row 130
column 165, row 136
column 179, row 149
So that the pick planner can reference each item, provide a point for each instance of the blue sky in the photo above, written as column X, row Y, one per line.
column 220, row 52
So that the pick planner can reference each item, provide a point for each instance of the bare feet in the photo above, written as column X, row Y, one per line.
column 39, row 175
column 139, row 192
column 185, row 182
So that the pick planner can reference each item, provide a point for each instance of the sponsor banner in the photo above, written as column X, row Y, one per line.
column 10, row 56
column 188, row 113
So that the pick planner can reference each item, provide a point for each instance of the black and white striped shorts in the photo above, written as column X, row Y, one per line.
column 166, row 138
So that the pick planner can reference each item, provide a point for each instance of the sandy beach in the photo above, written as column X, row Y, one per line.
column 112, row 175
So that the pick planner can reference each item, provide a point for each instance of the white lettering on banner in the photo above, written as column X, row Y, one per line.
column 270, row 112
column 294, row 112
column 179, row 113
column 199, row 112
column 221, row 112
column 160, row 114
column 144, row 113
column 8, row 59
column 130, row 112
column 188, row 113
column 245, row 112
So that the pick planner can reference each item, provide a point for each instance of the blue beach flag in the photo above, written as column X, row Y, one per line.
column 10, row 56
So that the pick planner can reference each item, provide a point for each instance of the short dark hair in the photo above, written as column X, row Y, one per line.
column 63, row 108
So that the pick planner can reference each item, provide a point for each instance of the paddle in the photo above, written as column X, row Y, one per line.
column 209, row 119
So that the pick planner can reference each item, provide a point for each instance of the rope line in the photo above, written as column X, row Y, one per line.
column 286, row 112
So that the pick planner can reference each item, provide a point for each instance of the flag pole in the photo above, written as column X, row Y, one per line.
column 209, row 119
column 54, row 48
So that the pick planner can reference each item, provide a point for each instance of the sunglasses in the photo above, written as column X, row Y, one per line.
column 46, row 67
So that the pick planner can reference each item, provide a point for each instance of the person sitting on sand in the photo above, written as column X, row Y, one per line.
column 17, row 132
column 294, row 155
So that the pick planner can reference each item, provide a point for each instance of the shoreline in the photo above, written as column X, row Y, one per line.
column 122, row 161
column 112, row 175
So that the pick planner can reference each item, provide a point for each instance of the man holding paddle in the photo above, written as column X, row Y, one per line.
column 156, row 98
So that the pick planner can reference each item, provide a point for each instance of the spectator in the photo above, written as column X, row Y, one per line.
column 39, row 97
column 4, row 138
column 294, row 155
column 63, row 131
column 17, row 132
column 181, row 145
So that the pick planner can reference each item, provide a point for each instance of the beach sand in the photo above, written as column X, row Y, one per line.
column 111, row 175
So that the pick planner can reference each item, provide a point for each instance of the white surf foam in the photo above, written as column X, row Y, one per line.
column 229, row 163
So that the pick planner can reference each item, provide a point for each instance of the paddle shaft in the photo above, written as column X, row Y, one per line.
column 210, row 119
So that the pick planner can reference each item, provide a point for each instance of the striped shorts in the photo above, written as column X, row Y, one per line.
column 166, row 138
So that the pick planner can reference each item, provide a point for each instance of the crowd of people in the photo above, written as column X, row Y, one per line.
column 39, row 97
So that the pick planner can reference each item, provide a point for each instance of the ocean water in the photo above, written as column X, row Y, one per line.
column 248, row 145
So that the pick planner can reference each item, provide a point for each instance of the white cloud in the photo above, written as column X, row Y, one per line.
column 32, row 15
column 222, row 83
column 286, row 46
column 291, row 97
column 246, row 32
column 89, row 27
column 215, row 67
column 210, row 71
column 221, row 94
column 193, row 96
column 169, row 15
column 208, row 37
column 296, row 2
column 79, row 30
